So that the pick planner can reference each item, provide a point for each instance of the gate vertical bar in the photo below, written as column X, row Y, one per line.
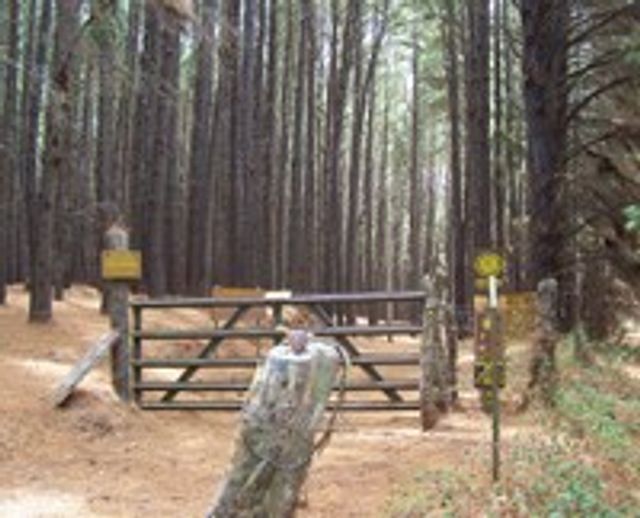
column 137, row 354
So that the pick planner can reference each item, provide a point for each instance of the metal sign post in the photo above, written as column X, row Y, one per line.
column 489, row 371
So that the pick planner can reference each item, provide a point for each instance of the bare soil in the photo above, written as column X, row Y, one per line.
column 99, row 458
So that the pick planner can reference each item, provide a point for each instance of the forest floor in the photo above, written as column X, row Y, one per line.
column 98, row 458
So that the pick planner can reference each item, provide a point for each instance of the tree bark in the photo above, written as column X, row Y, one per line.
column 201, row 196
column 544, row 68
column 40, row 193
column 477, row 149
column 8, row 152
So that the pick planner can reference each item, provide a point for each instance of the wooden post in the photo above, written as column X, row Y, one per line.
column 276, row 443
column 430, row 357
column 452, row 354
column 117, row 238
column 543, row 369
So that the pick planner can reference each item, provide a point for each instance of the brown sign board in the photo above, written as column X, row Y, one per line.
column 121, row 265
column 489, row 350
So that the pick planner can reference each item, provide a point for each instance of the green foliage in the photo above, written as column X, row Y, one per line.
column 562, row 486
column 570, row 464
column 602, row 405
column 593, row 412
column 543, row 478
column 632, row 216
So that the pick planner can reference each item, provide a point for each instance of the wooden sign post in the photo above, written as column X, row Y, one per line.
column 120, row 266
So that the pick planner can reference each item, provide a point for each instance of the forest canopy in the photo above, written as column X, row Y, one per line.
column 322, row 145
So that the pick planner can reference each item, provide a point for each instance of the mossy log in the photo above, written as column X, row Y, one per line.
column 276, row 443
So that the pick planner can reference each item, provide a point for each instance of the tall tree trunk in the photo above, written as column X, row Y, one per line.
column 85, row 256
column 367, row 281
column 24, row 186
column 350, row 248
column 106, row 139
column 67, row 85
column 145, row 127
column 382, row 217
column 256, row 182
column 126, row 111
column 160, row 161
column 268, row 153
column 498, row 167
column 8, row 151
column 234, row 172
column 311, row 191
column 415, row 190
column 223, row 139
column 175, row 208
column 39, row 194
column 510, row 160
column 244, row 149
column 544, row 64
column 296, row 221
column 282, row 170
column 200, row 230
column 477, row 150
column 457, row 218
column 338, row 85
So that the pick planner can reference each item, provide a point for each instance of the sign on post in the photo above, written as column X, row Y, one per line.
column 489, row 353
column 121, row 265
column 489, row 264
column 489, row 365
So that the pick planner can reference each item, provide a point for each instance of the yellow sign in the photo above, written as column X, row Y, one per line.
column 489, row 264
column 121, row 265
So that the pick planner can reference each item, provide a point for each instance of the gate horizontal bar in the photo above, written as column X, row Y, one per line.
column 240, row 386
column 207, row 334
column 369, row 359
column 361, row 406
column 331, row 298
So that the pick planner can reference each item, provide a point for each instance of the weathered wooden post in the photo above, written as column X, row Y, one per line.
column 451, row 328
column 119, row 267
column 432, row 380
column 276, row 443
column 543, row 369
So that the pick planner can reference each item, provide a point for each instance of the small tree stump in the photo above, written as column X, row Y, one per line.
column 276, row 443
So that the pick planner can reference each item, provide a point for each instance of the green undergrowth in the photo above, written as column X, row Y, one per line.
column 580, row 458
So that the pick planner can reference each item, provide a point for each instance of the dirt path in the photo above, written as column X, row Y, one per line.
column 97, row 458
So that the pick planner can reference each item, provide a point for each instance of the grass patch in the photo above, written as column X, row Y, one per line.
column 542, row 478
column 601, row 405
column 581, row 458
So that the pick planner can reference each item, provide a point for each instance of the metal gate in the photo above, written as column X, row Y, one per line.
column 210, row 375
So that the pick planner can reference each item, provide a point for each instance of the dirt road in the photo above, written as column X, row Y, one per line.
column 97, row 458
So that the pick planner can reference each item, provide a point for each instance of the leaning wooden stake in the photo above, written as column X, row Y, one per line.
column 279, row 425
column 95, row 353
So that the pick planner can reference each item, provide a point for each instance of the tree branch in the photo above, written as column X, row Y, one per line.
column 614, row 83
